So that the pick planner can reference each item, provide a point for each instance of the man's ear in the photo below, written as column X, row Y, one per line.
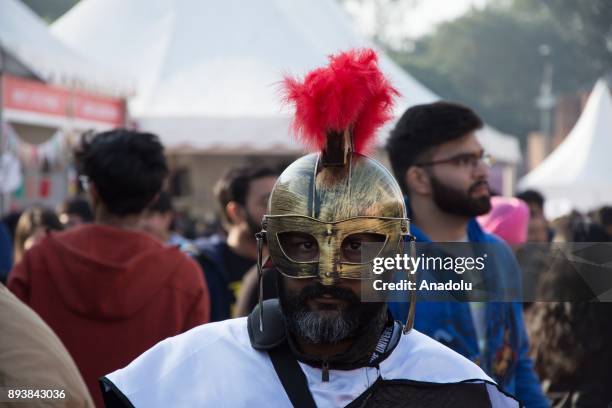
column 235, row 212
column 418, row 180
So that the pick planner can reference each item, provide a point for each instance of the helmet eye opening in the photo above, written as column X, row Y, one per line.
column 299, row 246
column 361, row 247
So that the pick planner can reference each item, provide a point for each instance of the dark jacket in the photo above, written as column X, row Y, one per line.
column 210, row 258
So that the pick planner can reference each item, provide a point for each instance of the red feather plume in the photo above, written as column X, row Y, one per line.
column 350, row 91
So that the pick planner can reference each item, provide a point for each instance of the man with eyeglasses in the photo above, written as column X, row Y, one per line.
column 443, row 171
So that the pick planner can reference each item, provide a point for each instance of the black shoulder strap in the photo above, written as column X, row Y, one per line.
column 273, row 341
column 113, row 397
column 291, row 376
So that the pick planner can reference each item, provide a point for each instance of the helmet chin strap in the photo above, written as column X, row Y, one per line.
column 260, row 238
column 412, row 296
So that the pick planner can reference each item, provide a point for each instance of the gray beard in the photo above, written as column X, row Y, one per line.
column 318, row 329
column 328, row 327
column 321, row 328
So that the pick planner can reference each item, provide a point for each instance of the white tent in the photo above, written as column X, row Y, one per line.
column 578, row 173
column 49, row 93
column 209, row 70
column 26, row 38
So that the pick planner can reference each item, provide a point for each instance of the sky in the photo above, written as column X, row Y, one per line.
column 407, row 18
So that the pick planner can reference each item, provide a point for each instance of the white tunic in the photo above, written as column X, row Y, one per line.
column 214, row 365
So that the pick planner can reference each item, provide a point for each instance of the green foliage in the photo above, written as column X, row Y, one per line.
column 490, row 59
column 585, row 25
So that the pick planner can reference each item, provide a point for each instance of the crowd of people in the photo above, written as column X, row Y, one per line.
column 106, row 277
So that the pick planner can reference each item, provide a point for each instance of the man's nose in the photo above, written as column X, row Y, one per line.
column 481, row 171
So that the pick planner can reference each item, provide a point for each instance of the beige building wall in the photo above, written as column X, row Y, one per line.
column 202, row 170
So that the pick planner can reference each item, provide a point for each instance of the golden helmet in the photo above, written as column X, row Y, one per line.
column 338, row 206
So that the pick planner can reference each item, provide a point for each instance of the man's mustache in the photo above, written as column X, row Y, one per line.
column 318, row 290
column 479, row 184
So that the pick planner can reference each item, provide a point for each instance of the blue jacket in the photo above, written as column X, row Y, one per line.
column 505, row 358
column 6, row 253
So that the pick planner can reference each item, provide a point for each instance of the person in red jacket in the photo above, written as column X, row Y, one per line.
column 108, row 290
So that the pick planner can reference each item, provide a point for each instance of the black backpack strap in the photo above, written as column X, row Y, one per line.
column 291, row 376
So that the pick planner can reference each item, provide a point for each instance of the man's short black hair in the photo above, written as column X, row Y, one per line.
column 162, row 205
column 423, row 127
column 532, row 197
column 78, row 206
column 234, row 184
column 127, row 168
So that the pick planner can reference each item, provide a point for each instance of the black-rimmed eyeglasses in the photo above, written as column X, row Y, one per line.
column 463, row 160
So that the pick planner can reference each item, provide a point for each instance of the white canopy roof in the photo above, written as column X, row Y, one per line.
column 26, row 37
column 578, row 173
column 209, row 70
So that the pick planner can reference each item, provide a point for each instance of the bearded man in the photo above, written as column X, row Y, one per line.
column 443, row 171
column 318, row 345
column 242, row 197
